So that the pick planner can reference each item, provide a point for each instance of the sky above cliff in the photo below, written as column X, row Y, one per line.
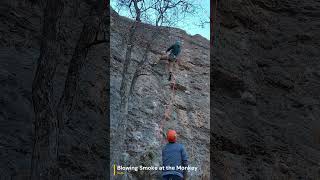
column 192, row 23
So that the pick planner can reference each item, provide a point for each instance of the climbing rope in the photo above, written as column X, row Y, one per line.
column 168, row 111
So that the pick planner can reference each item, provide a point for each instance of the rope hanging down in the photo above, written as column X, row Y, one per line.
column 168, row 111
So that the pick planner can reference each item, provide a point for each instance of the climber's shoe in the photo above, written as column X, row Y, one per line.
column 170, row 76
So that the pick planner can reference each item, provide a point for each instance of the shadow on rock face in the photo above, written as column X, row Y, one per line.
column 229, row 83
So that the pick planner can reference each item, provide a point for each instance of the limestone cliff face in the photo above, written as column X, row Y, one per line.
column 265, row 96
column 151, row 93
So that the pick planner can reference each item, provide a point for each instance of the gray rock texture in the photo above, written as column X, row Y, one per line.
column 265, row 99
column 83, row 145
column 265, row 93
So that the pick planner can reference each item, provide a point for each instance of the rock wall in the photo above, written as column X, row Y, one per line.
column 151, row 93
column 265, row 98
column 83, row 150
column 18, row 54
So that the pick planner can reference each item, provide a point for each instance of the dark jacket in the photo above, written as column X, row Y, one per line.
column 175, row 49
column 174, row 154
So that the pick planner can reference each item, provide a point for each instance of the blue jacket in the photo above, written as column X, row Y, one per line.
column 175, row 49
column 174, row 154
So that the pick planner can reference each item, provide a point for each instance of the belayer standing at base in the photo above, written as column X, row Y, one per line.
column 173, row 155
column 174, row 50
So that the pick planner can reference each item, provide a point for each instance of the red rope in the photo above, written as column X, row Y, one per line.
column 167, row 112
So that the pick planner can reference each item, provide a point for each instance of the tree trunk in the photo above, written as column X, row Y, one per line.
column 87, row 37
column 124, row 89
column 48, row 120
column 138, row 11
column 142, row 62
column 44, row 155
column 75, row 103
column 124, row 94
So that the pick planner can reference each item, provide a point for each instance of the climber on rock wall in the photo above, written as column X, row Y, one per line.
column 174, row 155
column 175, row 50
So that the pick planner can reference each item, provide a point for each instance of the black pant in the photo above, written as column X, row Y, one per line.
column 172, row 57
column 172, row 177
